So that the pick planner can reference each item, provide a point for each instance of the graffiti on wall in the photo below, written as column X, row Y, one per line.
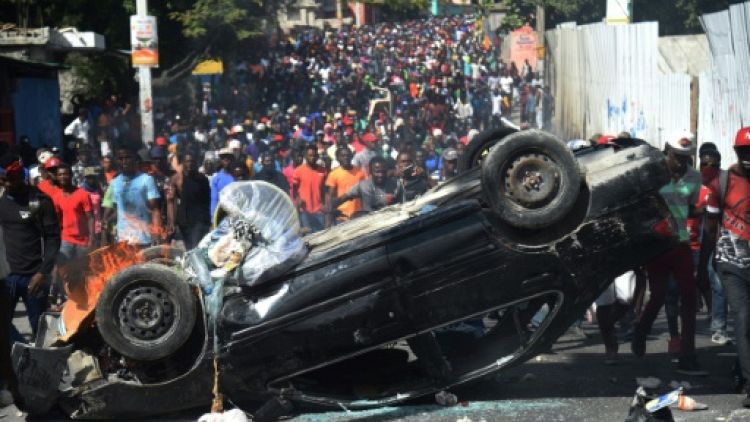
column 626, row 116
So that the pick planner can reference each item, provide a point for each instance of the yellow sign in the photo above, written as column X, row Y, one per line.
column 209, row 67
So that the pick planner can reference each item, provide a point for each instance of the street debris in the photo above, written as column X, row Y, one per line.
column 444, row 398
column 639, row 413
column 689, row 404
column 648, row 382
column 234, row 415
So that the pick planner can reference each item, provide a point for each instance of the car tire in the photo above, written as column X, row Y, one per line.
column 146, row 312
column 530, row 180
column 162, row 254
column 476, row 151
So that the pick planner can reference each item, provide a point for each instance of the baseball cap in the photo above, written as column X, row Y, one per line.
column 237, row 129
column 369, row 137
column 161, row 141
column 225, row 151
column 450, row 154
column 743, row 137
column 51, row 163
column 437, row 132
column 605, row 139
column 278, row 137
column 681, row 143
column 44, row 156
column 235, row 144
column 261, row 127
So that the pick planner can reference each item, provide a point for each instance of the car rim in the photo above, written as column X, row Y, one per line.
column 531, row 180
column 146, row 313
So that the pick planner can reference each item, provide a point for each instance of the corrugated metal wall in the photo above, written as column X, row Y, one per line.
column 725, row 86
column 605, row 79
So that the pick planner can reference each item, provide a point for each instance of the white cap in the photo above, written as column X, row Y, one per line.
column 437, row 132
column 235, row 144
column 681, row 143
column 237, row 129
column 44, row 156
column 261, row 126
column 302, row 120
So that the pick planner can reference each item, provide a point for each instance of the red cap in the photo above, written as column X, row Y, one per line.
column 161, row 141
column 369, row 138
column 743, row 137
column 52, row 163
column 464, row 140
column 278, row 137
column 605, row 139
column 264, row 119
column 347, row 121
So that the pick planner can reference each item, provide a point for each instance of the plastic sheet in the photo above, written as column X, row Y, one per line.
column 271, row 212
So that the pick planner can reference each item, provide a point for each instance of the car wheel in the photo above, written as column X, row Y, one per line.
column 476, row 151
column 163, row 254
column 146, row 312
column 531, row 179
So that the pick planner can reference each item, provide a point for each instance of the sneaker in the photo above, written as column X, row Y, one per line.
column 689, row 366
column 720, row 338
column 638, row 344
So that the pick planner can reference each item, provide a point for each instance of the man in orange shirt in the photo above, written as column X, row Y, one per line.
column 308, row 190
column 339, row 181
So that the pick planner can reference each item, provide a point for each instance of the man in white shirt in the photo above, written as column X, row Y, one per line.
column 79, row 128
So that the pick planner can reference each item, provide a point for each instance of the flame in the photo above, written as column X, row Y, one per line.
column 83, row 293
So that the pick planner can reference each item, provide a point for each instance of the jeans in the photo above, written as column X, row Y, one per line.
column 738, row 295
column 192, row 234
column 313, row 221
column 719, row 304
column 677, row 262
column 18, row 286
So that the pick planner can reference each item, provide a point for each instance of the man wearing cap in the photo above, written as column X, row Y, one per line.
column 727, row 211
column 362, row 158
column 223, row 177
column 136, row 198
column 448, row 164
column 31, row 233
column 85, row 159
column 681, row 195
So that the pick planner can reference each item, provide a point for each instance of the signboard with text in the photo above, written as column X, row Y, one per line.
column 144, row 41
column 524, row 42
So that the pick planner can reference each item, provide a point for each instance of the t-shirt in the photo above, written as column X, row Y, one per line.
column 131, row 196
column 309, row 183
column 23, row 231
column 73, row 210
column 505, row 84
column 695, row 224
column 362, row 158
column 680, row 196
column 372, row 196
column 340, row 181
column 733, row 245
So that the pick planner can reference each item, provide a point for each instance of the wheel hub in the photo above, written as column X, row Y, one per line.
column 146, row 313
column 532, row 180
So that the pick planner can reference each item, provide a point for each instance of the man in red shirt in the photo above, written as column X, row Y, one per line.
column 309, row 185
column 728, row 203
column 73, row 206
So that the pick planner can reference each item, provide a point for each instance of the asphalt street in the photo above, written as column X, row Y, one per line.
column 569, row 384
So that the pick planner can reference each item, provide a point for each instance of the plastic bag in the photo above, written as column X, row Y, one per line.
column 279, row 246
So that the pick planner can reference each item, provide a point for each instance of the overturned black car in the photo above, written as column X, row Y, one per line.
column 404, row 302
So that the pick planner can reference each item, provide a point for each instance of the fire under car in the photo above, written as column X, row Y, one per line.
column 403, row 302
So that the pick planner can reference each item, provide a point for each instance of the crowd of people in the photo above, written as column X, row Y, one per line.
column 348, row 122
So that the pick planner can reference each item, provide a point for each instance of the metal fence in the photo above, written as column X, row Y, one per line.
column 725, row 85
column 605, row 79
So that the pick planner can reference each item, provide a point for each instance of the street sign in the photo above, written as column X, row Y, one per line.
column 144, row 41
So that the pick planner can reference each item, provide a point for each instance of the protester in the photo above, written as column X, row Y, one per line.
column 374, row 193
column 31, row 233
column 269, row 173
column 681, row 194
column 412, row 178
column 136, row 198
column 223, row 177
column 308, row 188
column 728, row 205
column 193, row 202
column 339, row 182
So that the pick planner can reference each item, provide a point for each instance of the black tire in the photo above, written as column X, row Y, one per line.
column 531, row 180
column 162, row 254
column 158, row 292
column 477, row 150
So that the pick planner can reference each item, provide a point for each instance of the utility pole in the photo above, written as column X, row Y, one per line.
column 339, row 13
column 145, row 100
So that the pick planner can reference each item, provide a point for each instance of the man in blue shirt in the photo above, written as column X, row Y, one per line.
column 222, row 177
column 136, row 198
